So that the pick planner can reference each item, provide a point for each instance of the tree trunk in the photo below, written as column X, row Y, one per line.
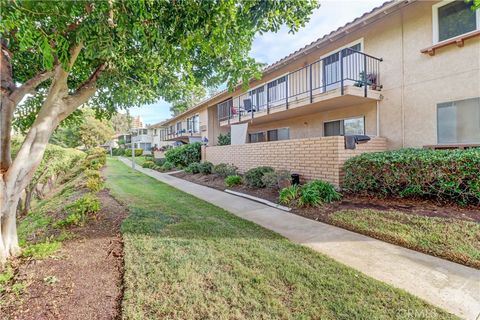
column 8, row 227
column 28, row 200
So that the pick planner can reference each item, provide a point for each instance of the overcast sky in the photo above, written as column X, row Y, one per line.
column 271, row 47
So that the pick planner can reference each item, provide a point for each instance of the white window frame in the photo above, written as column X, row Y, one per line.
column 435, row 25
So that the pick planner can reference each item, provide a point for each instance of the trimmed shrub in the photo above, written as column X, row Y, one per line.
column 148, row 164
column 253, row 177
column 92, row 173
column 269, row 179
column 184, row 155
column 118, row 151
column 94, row 184
column 289, row 195
column 441, row 175
column 231, row 181
column 159, row 162
column 224, row 170
column 193, row 168
column 138, row 152
column 224, row 139
column 277, row 179
column 167, row 166
column 205, row 167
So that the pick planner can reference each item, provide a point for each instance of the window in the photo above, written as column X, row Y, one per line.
column 277, row 89
column 193, row 124
column 258, row 97
column 196, row 123
column 345, row 127
column 453, row 18
column 459, row 121
column 257, row 137
column 278, row 134
column 179, row 127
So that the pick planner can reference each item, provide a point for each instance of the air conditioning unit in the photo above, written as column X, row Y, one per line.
column 203, row 128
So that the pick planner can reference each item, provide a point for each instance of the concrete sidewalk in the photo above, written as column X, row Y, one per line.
column 448, row 285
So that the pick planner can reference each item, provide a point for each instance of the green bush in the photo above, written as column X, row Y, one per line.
column 253, row 177
column 160, row 162
column 167, row 166
column 138, row 152
column 231, row 181
column 184, row 155
column 89, row 173
column 193, row 167
column 94, row 184
column 148, row 164
column 289, row 195
column 224, row 170
column 318, row 192
column 224, row 139
column 118, row 151
column 79, row 210
column 205, row 167
column 314, row 193
column 441, row 175
column 277, row 179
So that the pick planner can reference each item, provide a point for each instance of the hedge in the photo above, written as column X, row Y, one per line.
column 138, row 152
column 184, row 155
column 441, row 175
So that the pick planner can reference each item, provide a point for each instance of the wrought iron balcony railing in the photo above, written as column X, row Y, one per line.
column 346, row 67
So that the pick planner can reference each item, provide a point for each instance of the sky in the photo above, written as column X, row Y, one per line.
column 271, row 47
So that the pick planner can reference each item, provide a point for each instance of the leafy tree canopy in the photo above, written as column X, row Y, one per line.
column 139, row 50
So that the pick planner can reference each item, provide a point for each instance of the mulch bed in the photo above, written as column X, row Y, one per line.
column 83, row 280
column 409, row 206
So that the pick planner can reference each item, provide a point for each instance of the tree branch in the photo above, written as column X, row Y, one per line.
column 20, row 92
column 61, row 75
column 85, row 90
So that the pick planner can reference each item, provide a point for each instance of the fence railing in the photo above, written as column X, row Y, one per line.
column 346, row 67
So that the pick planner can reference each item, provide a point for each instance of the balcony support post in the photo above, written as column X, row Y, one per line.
column 341, row 72
column 286, row 91
column 238, row 109
column 311, row 90
column 268, row 97
column 365, row 75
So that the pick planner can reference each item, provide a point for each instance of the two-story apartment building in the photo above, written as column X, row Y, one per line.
column 407, row 74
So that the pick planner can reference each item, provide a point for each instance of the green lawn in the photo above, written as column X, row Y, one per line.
column 187, row 259
column 454, row 239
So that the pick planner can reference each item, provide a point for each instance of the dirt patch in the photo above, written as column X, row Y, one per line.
column 84, row 278
column 416, row 207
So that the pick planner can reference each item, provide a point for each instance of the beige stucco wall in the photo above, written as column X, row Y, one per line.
column 311, row 125
column 414, row 83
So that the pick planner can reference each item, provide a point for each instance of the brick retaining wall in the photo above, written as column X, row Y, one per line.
column 313, row 158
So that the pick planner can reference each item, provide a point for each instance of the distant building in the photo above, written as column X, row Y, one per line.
column 137, row 122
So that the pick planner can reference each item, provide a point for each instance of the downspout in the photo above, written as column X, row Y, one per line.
column 378, row 118
column 403, row 81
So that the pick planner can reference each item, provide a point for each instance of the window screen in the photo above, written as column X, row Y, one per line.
column 347, row 127
column 333, row 128
column 257, row 137
column 455, row 19
column 459, row 121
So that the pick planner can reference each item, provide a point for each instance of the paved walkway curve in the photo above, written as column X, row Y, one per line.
column 448, row 285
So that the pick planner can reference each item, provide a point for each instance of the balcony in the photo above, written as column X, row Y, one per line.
column 345, row 78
